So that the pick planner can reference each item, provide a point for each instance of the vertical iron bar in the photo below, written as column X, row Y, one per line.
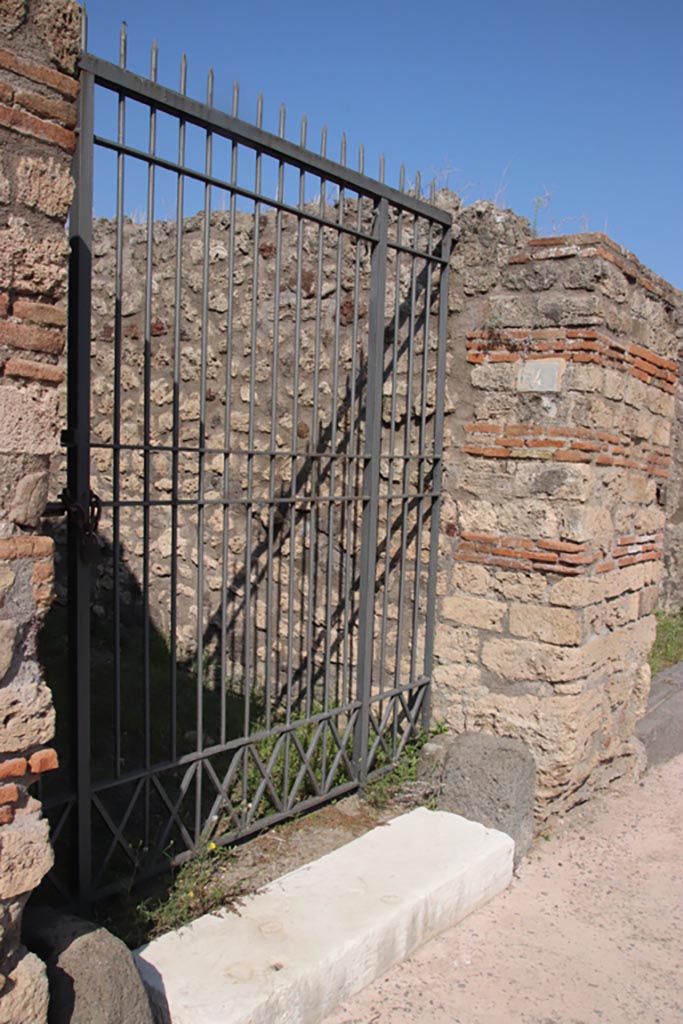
column 147, row 335
column 175, row 468
column 78, row 476
column 116, row 426
column 201, row 468
column 436, row 474
column 371, row 483
column 227, row 428
column 272, row 655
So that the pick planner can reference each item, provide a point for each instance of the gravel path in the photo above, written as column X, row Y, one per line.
column 591, row 929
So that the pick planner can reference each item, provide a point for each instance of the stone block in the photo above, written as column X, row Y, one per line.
column 29, row 499
column 28, row 421
column 8, row 634
column 486, row 778
column 25, row 996
column 540, row 375
column 474, row 611
column 27, row 717
column 26, row 854
column 45, row 184
column 92, row 974
column 550, row 625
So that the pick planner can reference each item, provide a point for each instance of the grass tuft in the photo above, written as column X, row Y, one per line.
column 668, row 645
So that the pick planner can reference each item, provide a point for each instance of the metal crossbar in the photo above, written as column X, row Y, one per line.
column 255, row 395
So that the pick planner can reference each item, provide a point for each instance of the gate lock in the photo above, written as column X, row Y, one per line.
column 87, row 521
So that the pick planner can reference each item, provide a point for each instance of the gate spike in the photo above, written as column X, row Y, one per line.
column 235, row 97
column 361, row 158
column 432, row 190
column 123, row 44
column 153, row 60
column 183, row 73
column 304, row 126
column 418, row 185
column 283, row 115
column 84, row 27
column 259, row 110
column 323, row 140
column 381, row 167
column 209, row 88
column 402, row 178
column 343, row 150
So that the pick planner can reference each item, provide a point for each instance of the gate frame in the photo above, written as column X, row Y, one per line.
column 78, row 497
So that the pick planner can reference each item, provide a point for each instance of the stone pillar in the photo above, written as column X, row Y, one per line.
column 39, row 42
column 561, row 378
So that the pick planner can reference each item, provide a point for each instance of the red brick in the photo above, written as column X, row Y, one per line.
column 544, row 443
column 610, row 438
column 44, row 372
column 645, row 377
column 586, row 559
column 561, row 545
column 586, row 446
column 35, row 339
column 43, row 106
column 6, row 93
column 483, row 428
column 37, row 73
column 504, row 552
column 474, row 358
column 604, row 460
column 9, row 793
column 543, row 556
column 39, row 313
column 605, row 567
column 585, row 357
column 504, row 357
column 483, row 538
column 644, row 353
column 46, row 131
column 520, row 429
column 43, row 761
column 14, row 768
column 509, row 563
column 6, row 815
column 563, row 570
column 4, row 304
column 570, row 456
column 519, row 259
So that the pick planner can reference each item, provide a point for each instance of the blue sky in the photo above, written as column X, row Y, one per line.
column 577, row 104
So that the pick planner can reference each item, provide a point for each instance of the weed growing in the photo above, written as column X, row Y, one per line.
column 668, row 645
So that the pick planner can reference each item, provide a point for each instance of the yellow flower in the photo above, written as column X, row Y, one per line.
column 212, row 846
column 191, row 894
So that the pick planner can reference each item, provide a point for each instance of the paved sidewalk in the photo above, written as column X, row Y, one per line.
column 591, row 929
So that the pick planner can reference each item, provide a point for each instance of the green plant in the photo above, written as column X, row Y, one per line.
column 668, row 645
column 199, row 886
column 381, row 791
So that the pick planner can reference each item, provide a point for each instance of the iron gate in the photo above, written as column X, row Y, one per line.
column 255, row 413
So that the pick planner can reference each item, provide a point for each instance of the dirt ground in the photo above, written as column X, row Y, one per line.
column 590, row 930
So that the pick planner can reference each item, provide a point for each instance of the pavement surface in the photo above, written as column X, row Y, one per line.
column 591, row 929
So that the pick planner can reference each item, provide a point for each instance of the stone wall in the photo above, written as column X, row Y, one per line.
column 561, row 384
column 563, row 375
column 671, row 597
column 37, row 116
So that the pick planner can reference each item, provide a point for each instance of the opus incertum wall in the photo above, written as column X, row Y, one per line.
column 563, row 376
column 38, row 90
